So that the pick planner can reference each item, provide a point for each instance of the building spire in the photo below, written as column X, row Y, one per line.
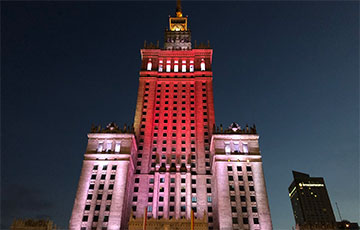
column 178, row 9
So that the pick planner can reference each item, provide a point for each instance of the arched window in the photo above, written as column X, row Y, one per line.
column 176, row 66
column 149, row 65
column 160, row 65
column 168, row 66
column 183, row 67
column 202, row 65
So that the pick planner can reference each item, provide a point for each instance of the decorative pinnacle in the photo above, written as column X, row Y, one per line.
column 178, row 9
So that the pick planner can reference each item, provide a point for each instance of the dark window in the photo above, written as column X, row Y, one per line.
column 209, row 209
column 91, row 186
column 172, row 208
column 150, row 199
column 251, row 188
column 95, row 167
column 135, row 198
column 250, row 178
column 97, row 207
column 235, row 220
column 240, row 178
column 93, row 177
column 242, row 198
column 231, row 178
column 256, row 221
column 136, row 189
column 172, row 198
column 85, row 218
column 89, row 197
column 245, row 220
column 252, row 199
column 241, row 188
column 99, row 196
column 254, row 209
column 248, row 168
column 208, row 190
column 87, row 207
column 243, row 209
column 112, row 177
column 101, row 186
column 106, row 218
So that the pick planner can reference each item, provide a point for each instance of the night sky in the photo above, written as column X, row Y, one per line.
column 291, row 68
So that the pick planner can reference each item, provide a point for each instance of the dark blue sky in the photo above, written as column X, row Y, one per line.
column 292, row 68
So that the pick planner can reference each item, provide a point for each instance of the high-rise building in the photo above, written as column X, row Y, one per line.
column 310, row 202
column 174, row 159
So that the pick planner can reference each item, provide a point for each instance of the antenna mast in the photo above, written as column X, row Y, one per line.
column 337, row 207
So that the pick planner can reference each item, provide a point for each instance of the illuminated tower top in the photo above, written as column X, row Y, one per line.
column 178, row 37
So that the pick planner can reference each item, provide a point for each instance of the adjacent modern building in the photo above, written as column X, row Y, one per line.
column 174, row 159
column 310, row 202
column 32, row 224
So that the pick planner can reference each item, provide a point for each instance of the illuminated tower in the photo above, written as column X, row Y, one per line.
column 310, row 202
column 175, row 159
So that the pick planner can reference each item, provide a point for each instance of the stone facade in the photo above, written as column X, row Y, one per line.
column 174, row 159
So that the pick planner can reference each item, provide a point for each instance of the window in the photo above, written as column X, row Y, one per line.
column 191, row 66
column 87, row 207
column 250, row 178
column 256, row 221
column 89, row 197
column 209, row 209
column 161, row 198
column 149, row 208
column 95, row 167
column 245, row 148
column 101, row 186
column 242, row 198
column 149, row 65
column 202, row 65
column 99, row 197
column 135, row 198
column 245, row 220
column 248, row 168
column 136, row 189
column 252, row 199
column 227, row 148
column 150, row 199
column 168, row 67
column 160, row 210
column 251, row 188
column 231, row 188
column 172, row 208
column 182, row 199
column 235, row 220
column 109, row 197
column 91, row 186
column 114, row 166
column 241, row 188
column 231, row 178
column 229, row 168
column 160, row 68
column 134, row 208
column 183, row 68
column 254, row 209
column 208, row 190
column 162, row 180
column 106, row 218
column 243, row 209
column 193, row 199
column 240, row 178
column 100, row 147
column 85, row 218
column 151, row 181
column 112, row 177
column 176, row 68
column 239, row 168
column 209, row 199
column 103, row 176
column 172, row 198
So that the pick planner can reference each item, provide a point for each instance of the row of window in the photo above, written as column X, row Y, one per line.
column 238, row 168
column 245, row 220
column 104, row 146
column 175, row 66
column 103, row 177
column 105, row 167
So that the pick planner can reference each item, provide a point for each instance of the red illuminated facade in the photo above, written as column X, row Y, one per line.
column 174, row 159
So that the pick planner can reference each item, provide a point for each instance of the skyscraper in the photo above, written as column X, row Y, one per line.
column 310, row 202
column 174, row 159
